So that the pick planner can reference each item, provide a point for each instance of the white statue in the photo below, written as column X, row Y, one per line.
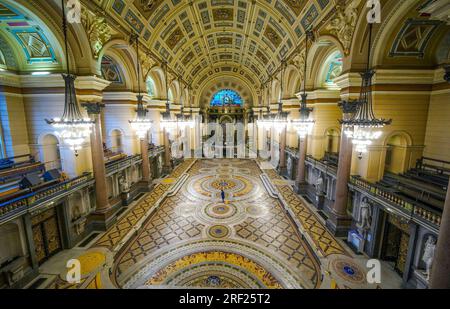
column 428, row 255
column 319, row 185
column 124, row 186
column 365, row 215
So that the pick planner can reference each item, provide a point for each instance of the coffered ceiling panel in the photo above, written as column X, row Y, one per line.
column 197, row 36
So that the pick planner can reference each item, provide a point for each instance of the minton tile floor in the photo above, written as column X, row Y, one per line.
column 183, row 235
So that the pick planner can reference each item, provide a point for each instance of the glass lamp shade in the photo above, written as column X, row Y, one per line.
column 303, row 127
column 141, row 127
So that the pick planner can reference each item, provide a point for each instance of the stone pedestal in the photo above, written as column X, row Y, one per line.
column 338, row 224
column 320, row 201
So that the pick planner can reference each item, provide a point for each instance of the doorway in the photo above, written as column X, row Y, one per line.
column 46, row 235
column 395, row 243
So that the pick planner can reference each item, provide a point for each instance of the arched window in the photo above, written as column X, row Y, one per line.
column 151, row 87
column 227, row 97
column 333, row 68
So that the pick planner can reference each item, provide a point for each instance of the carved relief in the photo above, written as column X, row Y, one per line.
column 174, row 38
column 342, row 26
column 272, row 36
column 147, row 63
column 147, row 7
column 97, row 30
column 223, row 14
column 296, row 5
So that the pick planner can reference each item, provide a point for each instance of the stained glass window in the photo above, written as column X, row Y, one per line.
column 227, row 97
column 334, row 68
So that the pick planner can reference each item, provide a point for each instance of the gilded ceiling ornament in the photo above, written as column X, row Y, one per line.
column 299, row 62
column 147, row 63
column 272, row 36
column 344, row 22
column 176, row 36
column 97, row 30
column 296, row 5
column 147, row 7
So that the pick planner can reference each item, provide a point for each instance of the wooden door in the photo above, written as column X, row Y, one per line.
column 46, row 235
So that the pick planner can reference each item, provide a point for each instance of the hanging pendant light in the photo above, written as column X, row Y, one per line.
column 72, row 127
column 167, row 122
column 304, row 124
column 364, row 128
column 141, row 124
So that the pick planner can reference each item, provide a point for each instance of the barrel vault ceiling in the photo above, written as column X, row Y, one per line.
column 200, row 38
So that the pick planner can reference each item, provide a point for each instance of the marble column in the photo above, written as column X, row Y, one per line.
column 167, row 156
column 102, row 216
column 282, row 167
column 300, row 182
column 146, row 174
column 440, row 270
column 339, row 221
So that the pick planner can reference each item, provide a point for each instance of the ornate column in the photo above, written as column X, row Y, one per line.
column 339, row 222
column 440, row 278
column 282, row 167
column 146, row 173
column 301, row 166
column 167, row 168
column 103, row 212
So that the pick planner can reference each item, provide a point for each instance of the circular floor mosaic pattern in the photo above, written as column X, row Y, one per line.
column 215, row 269
column 221, row 211
column 348, row 270
column 218, row 231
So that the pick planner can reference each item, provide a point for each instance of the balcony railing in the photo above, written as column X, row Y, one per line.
column 411, row 208
column 32, row 199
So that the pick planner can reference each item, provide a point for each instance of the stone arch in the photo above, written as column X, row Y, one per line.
column 332, row 139
column 292, row 81
column 125, row 56
column 397, row 157
column 10, row 242
column 116, row 138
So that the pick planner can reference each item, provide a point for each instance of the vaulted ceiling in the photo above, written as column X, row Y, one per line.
column 200, row 38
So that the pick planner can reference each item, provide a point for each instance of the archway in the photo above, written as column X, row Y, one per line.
column 116, row 141
column 396, row 153
column 51, row 155
column 332, row 139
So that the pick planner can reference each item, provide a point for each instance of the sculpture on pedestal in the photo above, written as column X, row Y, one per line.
column 365, row 216
column 124, row 185
column 319, row 186
column 428, row 255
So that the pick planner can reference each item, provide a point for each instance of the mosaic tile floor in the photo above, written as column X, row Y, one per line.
column 182, row 234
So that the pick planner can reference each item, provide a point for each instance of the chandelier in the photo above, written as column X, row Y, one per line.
column 141, row 124
column 72, row 127
column 364, row 128
column 304, row 124
column 167, row 122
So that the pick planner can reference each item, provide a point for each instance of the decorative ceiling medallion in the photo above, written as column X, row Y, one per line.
column 176, row 36
column 223, row 14
column 273, row 37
